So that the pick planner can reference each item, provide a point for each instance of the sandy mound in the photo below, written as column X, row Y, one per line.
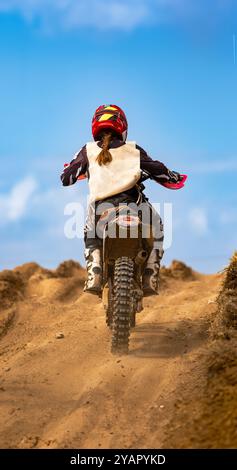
column 27, row 270
column 178, row 270
column 63, row 284
column 69, row 269
column 227, row 300
column 11, row 288
column 206, row 415
column 31, row 281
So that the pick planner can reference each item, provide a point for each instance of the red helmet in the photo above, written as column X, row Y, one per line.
column 110, row 117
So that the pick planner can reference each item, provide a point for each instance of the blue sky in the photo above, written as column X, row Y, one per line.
column 169, row 64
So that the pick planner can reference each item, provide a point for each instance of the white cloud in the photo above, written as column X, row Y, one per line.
column 106, row 14
column 13, row 205
column 199, row 221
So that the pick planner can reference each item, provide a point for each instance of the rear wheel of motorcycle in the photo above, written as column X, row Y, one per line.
column 122, row 304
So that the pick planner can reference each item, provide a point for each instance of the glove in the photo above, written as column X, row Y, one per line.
column 174, row 176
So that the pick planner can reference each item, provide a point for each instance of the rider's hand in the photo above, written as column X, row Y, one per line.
column 175, row 177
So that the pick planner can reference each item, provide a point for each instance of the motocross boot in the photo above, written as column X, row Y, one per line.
column 150, row 277
column 94, row 271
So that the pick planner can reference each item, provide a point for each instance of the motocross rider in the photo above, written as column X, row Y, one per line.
column 113, row 167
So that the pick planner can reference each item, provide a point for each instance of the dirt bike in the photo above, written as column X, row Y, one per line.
column 124, row 257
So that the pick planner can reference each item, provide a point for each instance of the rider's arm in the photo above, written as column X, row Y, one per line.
column 157, row 169
column 77, row 168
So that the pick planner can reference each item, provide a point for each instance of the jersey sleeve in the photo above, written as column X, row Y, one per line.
column 77, row 169
column 156, row 169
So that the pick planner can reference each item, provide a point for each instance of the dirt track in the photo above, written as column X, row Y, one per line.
column 71, row 392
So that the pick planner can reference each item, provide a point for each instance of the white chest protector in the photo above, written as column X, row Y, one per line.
column 117, row 176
